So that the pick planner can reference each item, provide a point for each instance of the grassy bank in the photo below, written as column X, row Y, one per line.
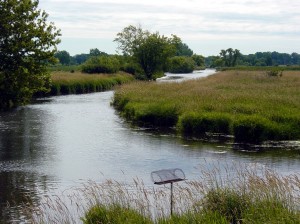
column 242, row 194
column 77, row 82
column 252, row 106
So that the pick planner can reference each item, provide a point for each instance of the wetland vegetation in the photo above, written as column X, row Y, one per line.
column 251, row 106
column 76, row 82
column 253, row 195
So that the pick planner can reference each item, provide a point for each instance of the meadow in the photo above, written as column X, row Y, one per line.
column 251, row 106
column 63, row 82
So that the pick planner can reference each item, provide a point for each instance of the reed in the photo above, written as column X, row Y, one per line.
column 252, row 106
column 230, row 193
column 77, row 83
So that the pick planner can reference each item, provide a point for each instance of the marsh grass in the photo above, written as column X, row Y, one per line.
column 232, row 193
column 252, row 106
column 77, row 83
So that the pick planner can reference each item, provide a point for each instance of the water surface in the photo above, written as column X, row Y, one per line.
column 61, row 142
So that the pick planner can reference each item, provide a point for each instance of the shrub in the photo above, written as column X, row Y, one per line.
column 274, row 73
column 102, row 64
column 181, row 64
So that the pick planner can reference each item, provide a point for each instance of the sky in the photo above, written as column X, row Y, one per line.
column 206, row 26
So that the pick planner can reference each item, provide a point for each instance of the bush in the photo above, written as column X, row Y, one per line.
column 181, row 64
column 102, row 64
column 274, row 73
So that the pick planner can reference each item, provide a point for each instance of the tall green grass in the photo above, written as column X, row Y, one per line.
column 76, row 83
column 251, row 106
column 241, row 194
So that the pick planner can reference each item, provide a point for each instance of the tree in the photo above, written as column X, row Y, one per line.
column 184, row 50
column 27, row 44
column 130, row 39
column 152, row 54
column 81, row 58
column 149, row 50
column 230, row 57
column 199, row 60
column 96, row 52
column 181, row 64
column 63, row 57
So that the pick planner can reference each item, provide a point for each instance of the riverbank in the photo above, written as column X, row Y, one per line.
column 63, row 82
column 253, row 195
column 251, row 106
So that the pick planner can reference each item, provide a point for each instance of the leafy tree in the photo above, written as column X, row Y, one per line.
column 199, row 60
column 230, row 57
column 149, row 50
column 81, row 58
column 184, row 50
column 63, row 57
column 97, row 52
column 130, row 39
column 153, row 52
column 181, row 64
column 27, row 44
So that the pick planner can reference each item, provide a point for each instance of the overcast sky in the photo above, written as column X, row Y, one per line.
column 207, row 26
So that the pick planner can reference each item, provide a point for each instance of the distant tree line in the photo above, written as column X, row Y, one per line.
column 231, row 58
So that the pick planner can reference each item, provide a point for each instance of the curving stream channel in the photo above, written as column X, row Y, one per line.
column 64, row 141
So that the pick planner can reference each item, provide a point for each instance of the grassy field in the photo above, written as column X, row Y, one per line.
column 251, row 195
column 76, row 82
column 251, row 106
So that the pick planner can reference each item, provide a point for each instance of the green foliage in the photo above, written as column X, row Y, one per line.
column 152, row 54
column 115, row 214
column 63, row 57
column 183, row 50
column 96, row 52
column 27, row 44
column 130, row 38
column 149, row 50
column 199, row 60
column 181, row 64
column 230, row 57
column 101, row 64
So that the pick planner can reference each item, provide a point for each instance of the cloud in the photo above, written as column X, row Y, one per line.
column 189, row 19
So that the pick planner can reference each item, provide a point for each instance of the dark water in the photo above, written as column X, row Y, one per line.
column 64, row 141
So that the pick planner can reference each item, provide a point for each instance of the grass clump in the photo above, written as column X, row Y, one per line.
column 77, row 83
column 251, row 106
column 114, row 214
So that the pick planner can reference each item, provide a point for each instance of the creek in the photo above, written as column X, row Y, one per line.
column 60, row 142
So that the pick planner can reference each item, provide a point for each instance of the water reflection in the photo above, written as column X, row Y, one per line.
column 64, row 141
